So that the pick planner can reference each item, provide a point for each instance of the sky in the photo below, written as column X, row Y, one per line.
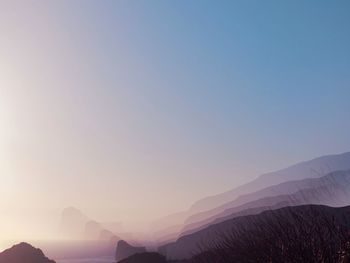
column 132, row 110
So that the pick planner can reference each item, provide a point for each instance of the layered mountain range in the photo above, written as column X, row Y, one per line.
column 308, row 169
column 291, row 217
column 74, row 224
column 318, row 189
column 265, row 185
column 332, row 189
column 321, row 181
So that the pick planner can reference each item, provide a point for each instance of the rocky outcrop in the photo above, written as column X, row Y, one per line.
column 23, row 253
column 125, row 250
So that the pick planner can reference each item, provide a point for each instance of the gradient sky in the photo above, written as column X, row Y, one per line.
column 130, row 110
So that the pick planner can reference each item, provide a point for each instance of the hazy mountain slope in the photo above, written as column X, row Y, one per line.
column 332, row 189
column 188, row 245
column 72, row 223
column 309, row 169
column 76, row 225
column 313, row 168
column 286, row 188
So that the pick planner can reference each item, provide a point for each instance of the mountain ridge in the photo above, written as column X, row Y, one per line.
column 187, row 246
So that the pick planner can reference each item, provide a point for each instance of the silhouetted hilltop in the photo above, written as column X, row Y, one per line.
column 125, row 250
column 268, row 221
column 23, row 253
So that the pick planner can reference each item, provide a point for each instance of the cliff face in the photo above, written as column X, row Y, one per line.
column 23, row 253
column 125, row 250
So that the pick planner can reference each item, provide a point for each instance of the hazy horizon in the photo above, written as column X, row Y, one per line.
column 133, row 110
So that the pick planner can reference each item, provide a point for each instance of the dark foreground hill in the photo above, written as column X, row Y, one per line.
column 23, row 253
column 304, row 232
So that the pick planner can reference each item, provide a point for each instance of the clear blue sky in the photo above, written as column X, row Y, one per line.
column 154, row 97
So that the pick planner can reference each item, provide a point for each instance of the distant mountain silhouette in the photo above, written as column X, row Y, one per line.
column 332, row 189
column 76, row 225
column 115, row 227
column 108, row 235
column 93, row 229
column 168, row 235
column 125, row 250
column 73, row 222
column 187, row 246
column 308, row 169
column 147, row 257
column 168, row 226
column 23, row 253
